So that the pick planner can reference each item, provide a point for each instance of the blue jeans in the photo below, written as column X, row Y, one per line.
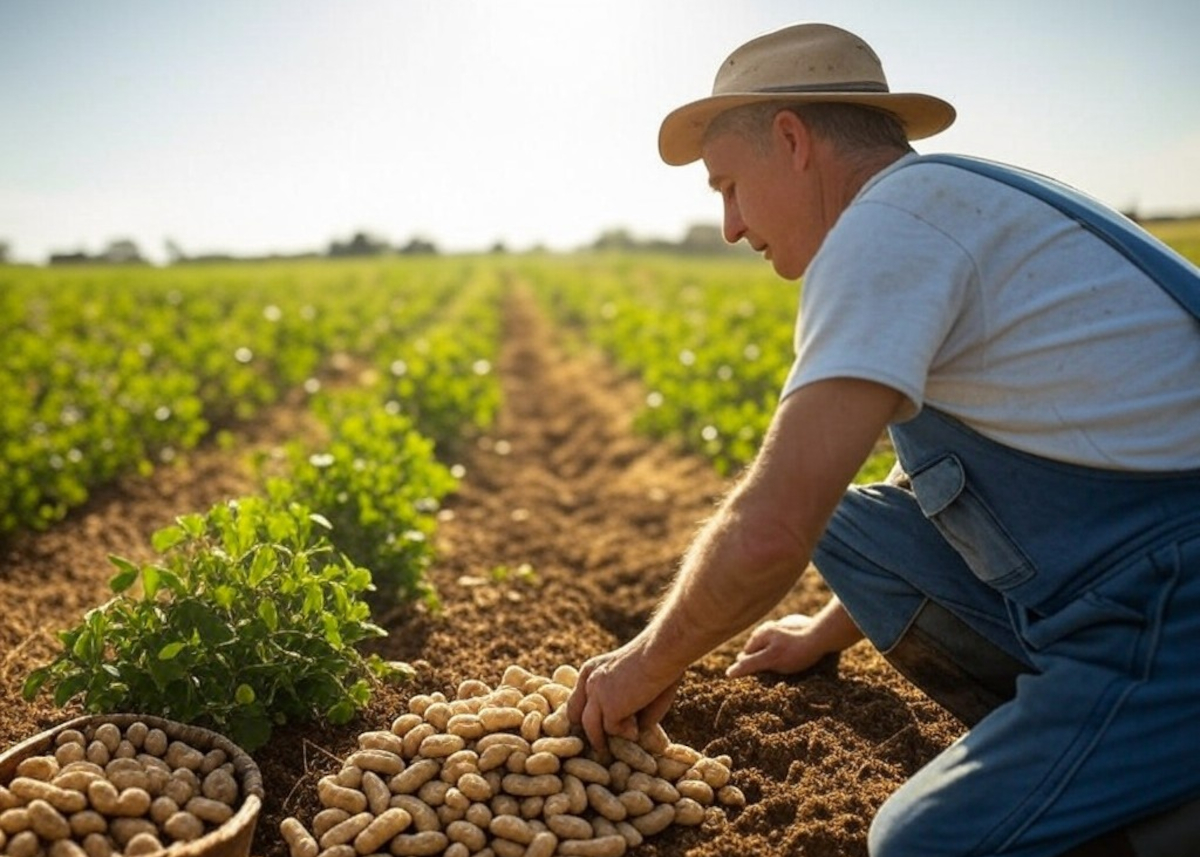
column 1091, row 579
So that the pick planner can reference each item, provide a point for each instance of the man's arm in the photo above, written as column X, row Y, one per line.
column 746, row 557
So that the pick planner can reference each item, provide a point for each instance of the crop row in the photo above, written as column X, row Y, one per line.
column 253, row 612
column 710, row 341
column 109, row 371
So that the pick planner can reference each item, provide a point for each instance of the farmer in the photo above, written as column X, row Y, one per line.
column 1034, row 563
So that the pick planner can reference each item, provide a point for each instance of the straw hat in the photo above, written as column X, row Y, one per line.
column 801, row 63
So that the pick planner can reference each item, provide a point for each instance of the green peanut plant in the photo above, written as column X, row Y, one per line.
column 250, row 620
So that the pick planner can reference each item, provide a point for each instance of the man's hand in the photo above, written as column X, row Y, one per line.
column 618, row 693
column 779, row 645
column 796, row 642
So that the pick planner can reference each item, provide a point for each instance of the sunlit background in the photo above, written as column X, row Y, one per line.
column 260, row 126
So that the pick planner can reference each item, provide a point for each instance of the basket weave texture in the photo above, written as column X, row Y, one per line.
column 231, row 839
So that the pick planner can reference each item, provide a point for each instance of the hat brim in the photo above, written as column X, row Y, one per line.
column 682, row 132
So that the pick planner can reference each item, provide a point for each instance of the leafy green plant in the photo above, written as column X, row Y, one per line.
column 378, row 483
column 249, row 621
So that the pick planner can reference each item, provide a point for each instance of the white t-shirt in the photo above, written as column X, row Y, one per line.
column 979, row 300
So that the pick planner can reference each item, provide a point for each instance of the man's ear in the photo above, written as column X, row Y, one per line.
column 789, row 130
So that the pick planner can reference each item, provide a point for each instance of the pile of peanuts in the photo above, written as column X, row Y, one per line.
column 499, row 773
column 106, row 792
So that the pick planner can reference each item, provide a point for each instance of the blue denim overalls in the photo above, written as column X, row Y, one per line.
column 1088, row 581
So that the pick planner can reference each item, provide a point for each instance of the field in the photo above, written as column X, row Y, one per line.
column 549, row 430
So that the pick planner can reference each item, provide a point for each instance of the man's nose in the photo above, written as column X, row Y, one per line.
column 734, row 228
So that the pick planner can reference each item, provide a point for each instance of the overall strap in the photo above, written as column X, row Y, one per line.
column 1178, row 277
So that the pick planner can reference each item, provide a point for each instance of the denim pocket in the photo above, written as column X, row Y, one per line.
column 1090, row 610
column 966, row 522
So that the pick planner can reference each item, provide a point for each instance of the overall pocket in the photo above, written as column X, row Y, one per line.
column 966, row 522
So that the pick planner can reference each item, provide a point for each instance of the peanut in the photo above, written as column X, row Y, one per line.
column 542, row 763
column 108, row 734
column 523, row 785
column 87, row 821
column 474, row 787
column 414, row 776
column 381, row 740
column 380, row 761
column 512, row 828
column 570, row 827
column 213, row 811
column 136, row 733
column 499, row 719
column 543, row 845
column 635, row 802
column 41, row 768
column 97, row 845
column 440, row 746
column 613, row 845
column 468, row 834
column 124, row 829
column 413, row 738
column 156, row 742
column 344, row 832
column 423, row 844
column 299, row 841
column 64, row 800
column 23, row 844
column 220, row 785
column 423, row 816
column 405, row 723
column 385, row 826
column 47, row 822
column 731, row 795
column 63, row 848
column 377, row 793
column 331, row 794
column 587, row 770
column 466, row 726
column 182, row 826
column 632, row 754
column 181, row 755
column 655, row 821
column 162, row 808
column 605, row 802
column 697, row 790
column 326, row 819
column 688, row 812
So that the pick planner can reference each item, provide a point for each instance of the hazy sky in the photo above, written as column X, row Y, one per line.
column 277, row 125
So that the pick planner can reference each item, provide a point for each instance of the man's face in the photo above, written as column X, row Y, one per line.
column 764, row 198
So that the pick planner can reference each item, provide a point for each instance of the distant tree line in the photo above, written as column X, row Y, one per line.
column 699, row 239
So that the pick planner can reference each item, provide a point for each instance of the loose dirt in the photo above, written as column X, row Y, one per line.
column 563, row 485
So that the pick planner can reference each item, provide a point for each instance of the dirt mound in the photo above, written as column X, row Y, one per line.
column 601, row 516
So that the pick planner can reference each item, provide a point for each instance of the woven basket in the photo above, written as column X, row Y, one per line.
column 231, row 839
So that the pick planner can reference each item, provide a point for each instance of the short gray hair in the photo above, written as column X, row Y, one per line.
column 850, row 127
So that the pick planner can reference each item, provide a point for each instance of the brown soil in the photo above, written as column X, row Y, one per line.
column 602, row 516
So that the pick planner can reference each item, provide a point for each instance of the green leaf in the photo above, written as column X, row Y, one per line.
column 151, row 580
column 269, row 614
column 69, row 687
column 244, row 695
column 127, row 573
column 168, row 537
column 320, row 520
column 340, row 712
column 265, row 562
column 34, row 683
column 171, row 650
column 193, row 525
column 224, row 595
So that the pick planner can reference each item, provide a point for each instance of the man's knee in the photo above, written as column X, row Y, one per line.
column 895, row 832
